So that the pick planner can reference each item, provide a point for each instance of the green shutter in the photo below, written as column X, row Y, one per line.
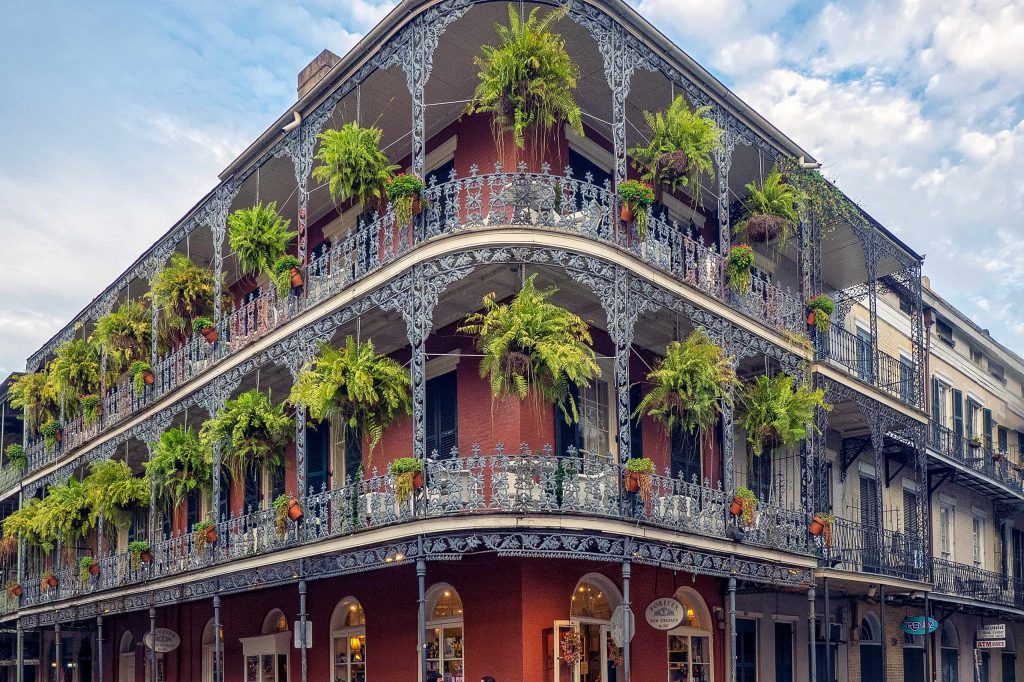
column 958, row 413
column 986, row 417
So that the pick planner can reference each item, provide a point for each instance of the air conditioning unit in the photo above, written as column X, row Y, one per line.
column 837, row 632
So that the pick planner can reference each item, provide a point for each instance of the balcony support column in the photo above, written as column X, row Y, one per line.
column 881, row 619
column 152, row 641
column 99, row 648
column 928, row 640
column 732, row 628
column 627, row 571
column 215, row 491
column 723, row 163
column 303, row 644
column 58, row 651
column 828, row 636
column 20, row 652
column 872, row 262
column 218, row 674
column 421, row 603
column 811, row 621
column 302, row 355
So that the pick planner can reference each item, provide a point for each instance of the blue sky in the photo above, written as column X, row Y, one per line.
column 118, row 116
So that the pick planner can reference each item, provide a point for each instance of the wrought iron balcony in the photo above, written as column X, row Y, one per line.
column 578, row 484
column 1002, row 466
column 861, row 548
column 972, row 582
column 559, row 203
column 871, row 366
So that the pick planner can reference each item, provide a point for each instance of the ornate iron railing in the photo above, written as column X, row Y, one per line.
column 1003, row 466
column 524, row 483
column 875, row 367
column 972, row 582
column 538, row 200
column 863, row 548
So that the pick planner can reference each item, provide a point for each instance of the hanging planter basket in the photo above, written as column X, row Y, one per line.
column 295, row 512
column 763, row 227
column 146, row 556
column 627, row 213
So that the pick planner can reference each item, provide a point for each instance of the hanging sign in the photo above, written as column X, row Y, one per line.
column 166, row 640
column 992, row 631
column 616, row 629
column 990, row 644
column 664, row 613
column 915, row 625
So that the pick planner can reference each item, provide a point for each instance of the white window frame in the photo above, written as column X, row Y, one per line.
column 946, row 528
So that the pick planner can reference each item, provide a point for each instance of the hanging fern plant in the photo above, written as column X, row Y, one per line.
column 771, row 210
column 179, row 464
column 363, row 388
column 681, row 146
column 526, row 81
column 112, row 491
column 182, row 291
column 533, row 344
column 690, row 385
column 75, row 372
column 252, row 431
column 124, row 335
column 33, row 395
column 773, row 412
column 353, row 164
column 258, row 235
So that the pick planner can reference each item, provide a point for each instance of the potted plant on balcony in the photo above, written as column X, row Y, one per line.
column 821, row 524
column 253, row 432
column 16, row 457
column 638, row 477
column 819, row 312
column 142, row 376
column 362, row 388
column 532, row 345
column 204, row 326
column 739, row 268
column 287, row 275
column 689, row 385
column 124, row 335
column 48, row 581
column 258, row 235
column 353, row 164
column 636, row 199
column 112, row 491
column 771, row 210
column 13, row 588
column 52, row 432
column 682, row 143
column 182, row 291
column 204, row 533
column 975, row 442
column 92, row 408
column 773, row 412
column 178, row 464
column 139, row 549
column 408, row 473
column 744, row 505
column 526, row 82
column 74, row 372
column 286, row 507
column 404, row 192
column 33, row 394
column 87, row 568
column 22, row 523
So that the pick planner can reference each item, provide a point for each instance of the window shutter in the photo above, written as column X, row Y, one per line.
column 1003, row 436
column 910, row 513
column 353, row 453
column 761, row 476
column 636, row 426
column 868, row 502
column 986, row 416
column 317, row 449
column 685, row 455
column 567, row 435
column 276, row 482
column 442, row 415
column 958, row 413
column 252, row 490
column 936, row 410
column 225, row 497
column 192, row 515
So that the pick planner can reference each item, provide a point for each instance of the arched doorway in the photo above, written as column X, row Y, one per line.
column 445, row 635
column 690, row 656
column 1009, row 657
column 348, row 641
column 126, row 658
column 265, row 657
column 949, row 645
column 870, row 649
column 588, row 633
column 913, row 658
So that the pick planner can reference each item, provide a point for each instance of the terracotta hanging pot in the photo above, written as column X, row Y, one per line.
column 51, row 581
column 812, row 317
column 211, row 535
column 627, row 213
column 211, row 334
column 632, row 482
column 149, row 378
column 417, row 480
column 817, row 526
column 294, row 510
column 296, row 278
column 736, row 508
column 146, row 556
column 16, row 590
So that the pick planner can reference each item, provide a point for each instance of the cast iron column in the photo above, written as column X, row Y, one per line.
column 421, row 616
column 881, row 618
column 152, row 644
column 218, row 674
column 810, row 636
column 302, row 627
column 828, row 637
column 58, row 652
column 626, row 632
column 20, row 643
column 99, row 648
column 732, row 627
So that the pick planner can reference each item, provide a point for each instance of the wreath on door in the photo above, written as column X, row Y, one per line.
column 572, row 647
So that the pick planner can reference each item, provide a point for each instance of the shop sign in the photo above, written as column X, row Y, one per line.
column 664, row 613
column 990, row 644
column 992, row 631
column 166, row 640
column 915, row 625
column 616, row 629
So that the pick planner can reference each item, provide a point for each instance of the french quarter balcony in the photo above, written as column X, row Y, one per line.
column 995, row 469
column 965, row 581
column 558, row 203
column 861, row 548
column 578, row 484
column 875, row 367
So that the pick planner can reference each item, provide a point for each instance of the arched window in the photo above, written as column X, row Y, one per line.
column 274, row 622
column 689, row 645
column 949, row 643
column 593, row 603
column 913, row 657
column 870, row 648
column 265, row 657
column 445, row 653
column 126, row 658
column 348, row 640
column 594, row 599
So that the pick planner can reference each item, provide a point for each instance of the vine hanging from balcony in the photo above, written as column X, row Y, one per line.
column 681, row 146
column 252, row 431
column 124, row 335
column 181, row 291
column 771, row 210
column 526, row 82
column 179, row 464
column 532, row 345
column 352, row 164
column 774, row 412
column 689, row 385
column 819, row 197
column 364, row 389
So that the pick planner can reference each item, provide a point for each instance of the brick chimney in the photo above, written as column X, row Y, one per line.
column 316, row 70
